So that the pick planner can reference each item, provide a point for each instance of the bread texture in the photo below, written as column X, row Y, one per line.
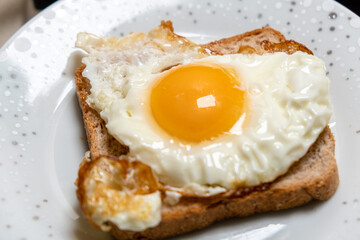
column 99, row 140
column 314, row 176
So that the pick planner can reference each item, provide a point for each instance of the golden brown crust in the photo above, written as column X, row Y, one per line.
column 315, row 176
column 114, row 174
column 287, row 46
column 251, row 39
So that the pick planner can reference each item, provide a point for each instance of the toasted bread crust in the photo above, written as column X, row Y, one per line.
column 99, row 140
column 315, row 176
column 251, row 39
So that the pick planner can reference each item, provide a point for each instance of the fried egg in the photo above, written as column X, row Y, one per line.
column 205, row 124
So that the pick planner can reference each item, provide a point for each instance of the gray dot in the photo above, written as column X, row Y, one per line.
column 331, row 64
column 213, row 12
column 35, row 218
column 190, row 13
column 239, row 11
column 195, row 21
column 14, row 143
column 259, row 15
column 38, row 30
column 33, row 55
column 37, row 206
column 47, row 22
column 22, row 44
column 288, row 23
column 347, row 36
column 179, row 7
column 344, row 202
column 293, row 3
column 332, row 28
column 329, row 52
column 49, row 14
column 13, row 75
column 8, row 226
column 332, row 15
column 61, row 30
column 34, row 133
column 320, row 29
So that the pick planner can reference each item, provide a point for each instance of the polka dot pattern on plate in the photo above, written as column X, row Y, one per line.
column 41, row 137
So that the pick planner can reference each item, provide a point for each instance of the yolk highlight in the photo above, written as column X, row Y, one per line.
column 197, row 102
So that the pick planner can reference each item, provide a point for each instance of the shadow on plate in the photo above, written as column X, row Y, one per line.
column 270, row 225
column 83, row 230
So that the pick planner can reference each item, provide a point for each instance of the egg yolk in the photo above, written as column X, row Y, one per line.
column 197, row 102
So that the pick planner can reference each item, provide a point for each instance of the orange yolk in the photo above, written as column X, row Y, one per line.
column 197, row 102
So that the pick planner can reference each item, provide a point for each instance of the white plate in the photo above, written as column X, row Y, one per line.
column 42, row 139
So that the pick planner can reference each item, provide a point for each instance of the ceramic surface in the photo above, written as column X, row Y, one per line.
column 42, row 140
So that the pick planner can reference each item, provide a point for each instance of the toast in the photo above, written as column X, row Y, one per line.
column 314, row 176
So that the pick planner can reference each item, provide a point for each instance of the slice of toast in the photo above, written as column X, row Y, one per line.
column 314, row 176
